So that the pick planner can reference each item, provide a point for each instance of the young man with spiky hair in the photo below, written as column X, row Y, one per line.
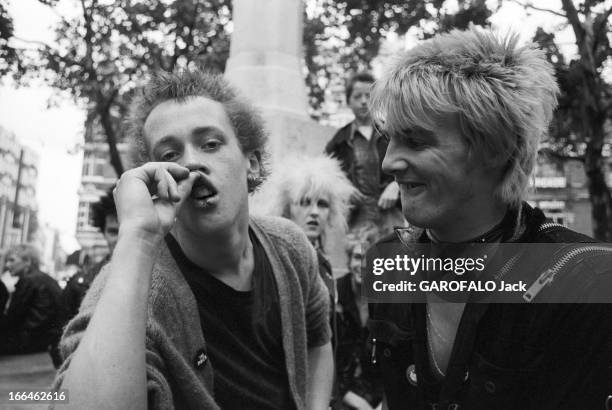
column 201, row 306
column 464, row 112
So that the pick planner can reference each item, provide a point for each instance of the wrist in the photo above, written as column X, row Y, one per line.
column 136, row 236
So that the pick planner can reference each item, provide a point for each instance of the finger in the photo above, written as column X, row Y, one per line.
column 173, row 193
column 177, row 171
column 150, row 172
column 171, row 185
column 184, row 187
column 162, row 183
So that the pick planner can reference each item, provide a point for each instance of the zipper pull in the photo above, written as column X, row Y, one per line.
column 535, row 288
column 373, row 359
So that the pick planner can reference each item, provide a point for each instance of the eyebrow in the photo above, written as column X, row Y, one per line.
column 210, row 129
column 198, row 131
column 167, row 139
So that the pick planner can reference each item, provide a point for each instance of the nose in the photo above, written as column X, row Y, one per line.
column 314, row 210
column 193, row 160
column 394, row 162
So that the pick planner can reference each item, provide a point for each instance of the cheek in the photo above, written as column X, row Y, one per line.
column 297, row 214
column 324, row 215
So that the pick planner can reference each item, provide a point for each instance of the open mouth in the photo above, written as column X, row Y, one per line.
column 202, row 189
column 314, row 224
column 411, row 185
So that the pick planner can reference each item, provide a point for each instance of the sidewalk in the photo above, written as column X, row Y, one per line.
column 24, row 372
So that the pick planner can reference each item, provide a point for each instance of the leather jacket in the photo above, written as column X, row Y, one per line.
column 505, row 356
column 35, row 314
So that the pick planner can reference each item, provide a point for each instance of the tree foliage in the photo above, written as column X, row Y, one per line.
column 585, row 103
column 346, row 36
column 8, row 55
column 101, row 53
column 104, row 51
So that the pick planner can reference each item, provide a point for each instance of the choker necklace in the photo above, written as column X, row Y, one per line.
column 491, row 235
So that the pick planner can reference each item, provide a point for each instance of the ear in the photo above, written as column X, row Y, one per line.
column 254, row 164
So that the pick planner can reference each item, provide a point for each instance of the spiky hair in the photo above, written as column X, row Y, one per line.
column 502, row 94
column 298, row 177
column 183, row 85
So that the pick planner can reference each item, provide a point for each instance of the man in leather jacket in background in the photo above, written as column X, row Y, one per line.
column 34, row 315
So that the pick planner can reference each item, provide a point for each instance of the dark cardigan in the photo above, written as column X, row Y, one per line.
column 174, row 338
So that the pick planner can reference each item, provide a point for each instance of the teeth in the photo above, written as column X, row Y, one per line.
column 200, row 192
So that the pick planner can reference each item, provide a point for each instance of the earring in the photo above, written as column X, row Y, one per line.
column 251, row 179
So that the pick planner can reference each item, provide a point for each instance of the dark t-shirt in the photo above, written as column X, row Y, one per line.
column 243, row 334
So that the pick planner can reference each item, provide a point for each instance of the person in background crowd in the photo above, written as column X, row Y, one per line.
column 33, row 319
column 464, row 112
column 359, row 380
column 315, row 194
column 360, row 150
column 4, row 297
column 104, row 216
column 201, row 305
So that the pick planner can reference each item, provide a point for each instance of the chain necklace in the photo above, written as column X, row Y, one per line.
column 430, row 325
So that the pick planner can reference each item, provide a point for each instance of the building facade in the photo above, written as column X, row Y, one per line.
column 18, row 178
column 560, row 190
column 97, row 178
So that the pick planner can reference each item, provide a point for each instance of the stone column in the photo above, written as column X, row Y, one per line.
column 265, row 63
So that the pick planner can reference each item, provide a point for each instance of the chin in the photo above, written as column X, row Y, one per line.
column 417, row 215
column 313, row 237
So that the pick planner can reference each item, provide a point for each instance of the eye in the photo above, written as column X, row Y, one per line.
column 305, row 202
column 417, row 139
column 413, row 142
column 169, row 156
column 322, row 203
column 210, row 145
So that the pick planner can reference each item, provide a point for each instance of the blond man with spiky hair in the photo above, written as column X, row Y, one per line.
column 463, row 113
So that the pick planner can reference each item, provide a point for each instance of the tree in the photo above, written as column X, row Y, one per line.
column 346, row 36
column 585, row 103
column 8, row 56
column 103, row 52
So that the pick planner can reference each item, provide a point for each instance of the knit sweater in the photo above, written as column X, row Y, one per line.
column 176, row 376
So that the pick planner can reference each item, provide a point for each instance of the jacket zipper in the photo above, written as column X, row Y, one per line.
column 510, row 264
column 549, row 274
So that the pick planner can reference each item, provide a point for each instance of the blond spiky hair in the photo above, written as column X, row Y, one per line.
column 502, row 94
column 301, row 176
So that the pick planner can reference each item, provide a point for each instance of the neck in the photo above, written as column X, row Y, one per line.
column 356, row 286
column 219, row 252
column 361, row 122
column 316, row 243
column 475, row 222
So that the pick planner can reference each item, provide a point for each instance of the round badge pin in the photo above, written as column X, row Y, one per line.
column 411, row 375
